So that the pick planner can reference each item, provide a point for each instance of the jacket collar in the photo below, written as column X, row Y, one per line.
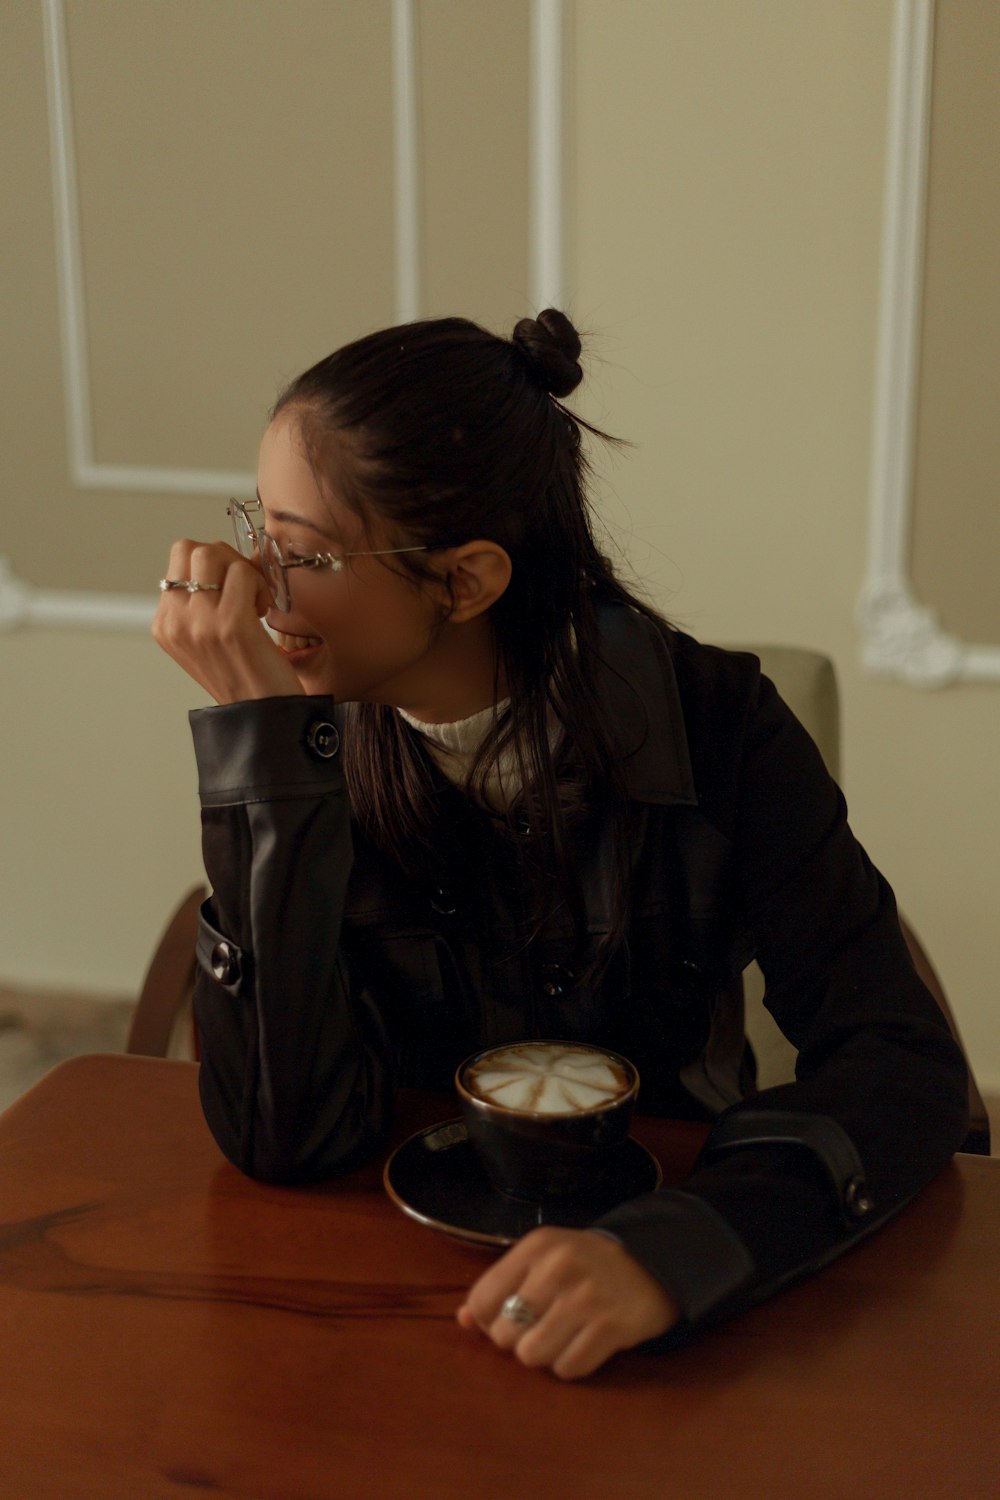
column 637, row 688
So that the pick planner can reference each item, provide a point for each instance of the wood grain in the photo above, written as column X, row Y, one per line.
column 172, row 1328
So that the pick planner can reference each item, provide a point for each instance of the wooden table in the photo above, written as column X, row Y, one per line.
column 170, row 1328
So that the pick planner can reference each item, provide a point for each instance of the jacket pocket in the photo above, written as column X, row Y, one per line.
column 219, row 957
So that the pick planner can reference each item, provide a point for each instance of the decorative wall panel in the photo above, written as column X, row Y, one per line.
column 208, row 198
column 930, row 611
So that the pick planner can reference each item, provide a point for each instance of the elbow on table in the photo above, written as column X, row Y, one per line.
column 299, row 1145
column 291, row 1165
column 942, row 1116
column 308, row 1161
column 279, row 1157
column 294, row 1159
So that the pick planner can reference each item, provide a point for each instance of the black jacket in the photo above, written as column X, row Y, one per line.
column 327, row 978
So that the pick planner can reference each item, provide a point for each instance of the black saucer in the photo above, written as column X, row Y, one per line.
column 436, row 1178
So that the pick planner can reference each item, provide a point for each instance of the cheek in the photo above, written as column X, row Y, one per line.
column 380, row 623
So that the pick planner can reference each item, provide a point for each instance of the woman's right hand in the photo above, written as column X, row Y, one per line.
column 217, row 635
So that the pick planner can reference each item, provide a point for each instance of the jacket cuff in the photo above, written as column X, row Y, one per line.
column 686, row 1245
column 824, row 1138
column 266, row 748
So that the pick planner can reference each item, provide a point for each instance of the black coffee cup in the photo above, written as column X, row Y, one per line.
column 547, row 1118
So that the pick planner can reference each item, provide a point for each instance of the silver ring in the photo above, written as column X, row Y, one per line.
column 516, row 1310
column 191, row 584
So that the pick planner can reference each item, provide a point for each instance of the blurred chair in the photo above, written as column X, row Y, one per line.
column 808, row 684
column 163, row 1023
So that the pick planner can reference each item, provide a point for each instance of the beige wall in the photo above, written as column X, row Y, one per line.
column 728, row 170
column 236, row 222
column 724, row 183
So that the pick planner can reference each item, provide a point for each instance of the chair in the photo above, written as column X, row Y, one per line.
column 808, row 684
column 162, row 1023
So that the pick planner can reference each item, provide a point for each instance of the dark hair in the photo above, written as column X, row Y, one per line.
column 448, row 432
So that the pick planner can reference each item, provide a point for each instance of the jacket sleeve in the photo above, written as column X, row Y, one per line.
column 297, row 1075
column 793, row 1176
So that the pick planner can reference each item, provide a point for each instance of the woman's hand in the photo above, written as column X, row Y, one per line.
column 591, row 1298
column 216, row 636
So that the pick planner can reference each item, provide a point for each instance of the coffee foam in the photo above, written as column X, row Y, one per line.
column 547, row 1079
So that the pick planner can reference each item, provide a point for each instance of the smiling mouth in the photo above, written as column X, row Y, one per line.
column 293, row 643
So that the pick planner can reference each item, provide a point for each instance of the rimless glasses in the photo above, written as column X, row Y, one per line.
column 247, row 517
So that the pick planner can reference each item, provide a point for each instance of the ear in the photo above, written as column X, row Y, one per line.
column 477, row 573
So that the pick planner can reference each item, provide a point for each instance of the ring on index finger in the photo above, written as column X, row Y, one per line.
column 191, row 584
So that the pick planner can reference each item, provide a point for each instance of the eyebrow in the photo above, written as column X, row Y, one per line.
column 289, row 518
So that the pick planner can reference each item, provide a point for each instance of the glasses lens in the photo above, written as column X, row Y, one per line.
column 273, row 570
column 252, row 542
column 243, row 531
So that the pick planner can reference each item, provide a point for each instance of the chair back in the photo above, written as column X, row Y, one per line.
column 162, row 1023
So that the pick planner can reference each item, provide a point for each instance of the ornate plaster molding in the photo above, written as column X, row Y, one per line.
column 900, row 637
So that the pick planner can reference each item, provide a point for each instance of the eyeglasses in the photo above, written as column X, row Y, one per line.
column 247, row 517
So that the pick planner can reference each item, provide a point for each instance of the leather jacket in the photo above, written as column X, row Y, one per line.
column 327, row 978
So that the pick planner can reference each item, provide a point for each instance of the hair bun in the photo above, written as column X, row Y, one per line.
column 551, row 346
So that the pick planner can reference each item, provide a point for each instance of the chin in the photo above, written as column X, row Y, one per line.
column 314, row 679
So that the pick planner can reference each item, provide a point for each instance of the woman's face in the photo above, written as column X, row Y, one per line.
column 362, row 633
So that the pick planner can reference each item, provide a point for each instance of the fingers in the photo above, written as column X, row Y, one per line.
column 544, row 1272
column 244, row 588
column 551, row 1287
column 557, row 1328
column 178, row 564
column 590, row 1298
column 205, row 562
column 214, row 632
column 592, row 1347
column 217, row 564
column 504, row 1277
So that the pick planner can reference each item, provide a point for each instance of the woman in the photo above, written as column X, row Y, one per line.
column 535, row 810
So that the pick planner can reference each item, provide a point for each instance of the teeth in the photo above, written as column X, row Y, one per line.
column 295, row 642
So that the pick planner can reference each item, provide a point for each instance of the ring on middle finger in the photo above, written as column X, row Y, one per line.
column 516, row 1310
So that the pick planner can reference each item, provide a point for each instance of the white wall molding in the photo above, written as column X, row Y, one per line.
column 406, row 150
column 23, row 604
column 547, row 175
column 900, row 637
column 85, row 472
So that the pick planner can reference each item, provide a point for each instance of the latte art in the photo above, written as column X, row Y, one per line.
column 548, row 1079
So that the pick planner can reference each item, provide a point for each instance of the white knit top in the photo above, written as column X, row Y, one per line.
column 454, row 746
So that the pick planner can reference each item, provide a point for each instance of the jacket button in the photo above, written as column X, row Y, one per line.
column 323, row 739
column 856, row 1199
column 225, row 963
column 556, row 980
column 443, row 901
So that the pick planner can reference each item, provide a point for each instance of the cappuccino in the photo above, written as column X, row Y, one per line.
column 548, row 1078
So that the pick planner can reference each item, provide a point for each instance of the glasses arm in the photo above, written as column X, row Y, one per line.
column 335, row 560
column 239, row 511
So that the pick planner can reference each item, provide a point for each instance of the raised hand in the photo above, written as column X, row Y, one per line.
column 215, row 633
